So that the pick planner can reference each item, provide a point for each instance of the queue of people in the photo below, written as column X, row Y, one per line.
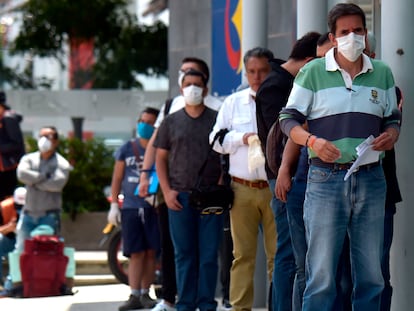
column 326, row 221
column 314, row 255
column 315, row 227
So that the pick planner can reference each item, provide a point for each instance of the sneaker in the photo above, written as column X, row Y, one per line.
column 132, row 303
column 147, row 302
column 162, row 306
column 16, row 292
column 226, row 306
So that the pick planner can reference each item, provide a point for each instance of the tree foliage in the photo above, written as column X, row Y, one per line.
column 122, row 47
column 141, row 47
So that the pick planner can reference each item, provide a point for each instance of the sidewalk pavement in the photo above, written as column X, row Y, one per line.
column 88, row 298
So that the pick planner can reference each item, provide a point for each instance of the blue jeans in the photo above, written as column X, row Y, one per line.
column 343, row 301
column 294, row 208
column 284, row 267
column 27, row 223
column 385, row 262
column 196, row 240
column 333, row 208
column 6, row 245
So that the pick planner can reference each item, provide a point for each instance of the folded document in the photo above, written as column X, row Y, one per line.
column 366, row 155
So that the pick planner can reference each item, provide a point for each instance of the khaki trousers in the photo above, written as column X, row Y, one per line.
column 250, row 209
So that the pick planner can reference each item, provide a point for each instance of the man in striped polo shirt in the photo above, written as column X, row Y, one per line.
column 344, row 98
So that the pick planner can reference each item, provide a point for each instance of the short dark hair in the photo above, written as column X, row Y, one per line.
column 197, row 73
column 344, row 9
column 324, row 38
column 258, row 52
column 151, row 110
column 55, row 134
column 305, row 46
column 202, row 64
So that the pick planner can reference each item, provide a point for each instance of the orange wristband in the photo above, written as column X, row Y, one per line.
column 311, row 141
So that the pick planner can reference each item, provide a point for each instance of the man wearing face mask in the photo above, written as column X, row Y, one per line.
column 182, row 147
column 251, row 208
column 177, row 103
column 345, row 98
column 45, row 173
column 169, row 289
column 140, row 233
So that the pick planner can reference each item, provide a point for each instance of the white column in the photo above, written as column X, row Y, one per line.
column 397, row 46
column 254, row 33
column 311, row 16
column 254, row 26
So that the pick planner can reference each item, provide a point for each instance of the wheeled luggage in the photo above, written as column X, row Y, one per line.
column 43, row 266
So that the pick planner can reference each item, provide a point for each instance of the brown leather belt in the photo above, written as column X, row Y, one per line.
column 341, row 166
column 256, row 184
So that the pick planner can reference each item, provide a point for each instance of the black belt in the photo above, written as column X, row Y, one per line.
column 341, row 166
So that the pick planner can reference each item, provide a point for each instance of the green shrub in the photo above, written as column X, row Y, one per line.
column 92, row 165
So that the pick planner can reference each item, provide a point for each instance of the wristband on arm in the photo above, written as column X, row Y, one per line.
column 311, row 140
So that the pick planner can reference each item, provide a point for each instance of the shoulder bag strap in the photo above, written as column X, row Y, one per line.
column 168, row 104
column 220, row 136
column 135, row 149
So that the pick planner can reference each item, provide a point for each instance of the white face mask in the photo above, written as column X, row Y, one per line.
column 193, row 95
column 44, row 144
column 351, row 46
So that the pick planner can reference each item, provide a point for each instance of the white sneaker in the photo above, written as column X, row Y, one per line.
column 162, row 306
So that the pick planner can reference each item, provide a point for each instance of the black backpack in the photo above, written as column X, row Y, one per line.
column 275, row 143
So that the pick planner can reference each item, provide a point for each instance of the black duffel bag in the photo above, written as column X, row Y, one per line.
column 212, row 199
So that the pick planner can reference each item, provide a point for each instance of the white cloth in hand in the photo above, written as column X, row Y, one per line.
column 255, row 154
column 114, row 215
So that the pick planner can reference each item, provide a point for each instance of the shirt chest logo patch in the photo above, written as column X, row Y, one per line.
column 374, row 97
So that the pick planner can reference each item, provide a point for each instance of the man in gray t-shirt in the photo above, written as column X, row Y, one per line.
column 183, row 137
column 182, row 147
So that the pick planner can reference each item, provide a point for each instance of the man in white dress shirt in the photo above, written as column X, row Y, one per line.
column 251, row 209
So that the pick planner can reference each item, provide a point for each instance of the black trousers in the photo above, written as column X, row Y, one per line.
column 226, row 257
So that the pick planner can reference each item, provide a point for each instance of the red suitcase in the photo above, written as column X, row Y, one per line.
column 43, row 266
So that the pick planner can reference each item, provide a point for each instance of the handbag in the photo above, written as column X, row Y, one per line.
column 211, row 199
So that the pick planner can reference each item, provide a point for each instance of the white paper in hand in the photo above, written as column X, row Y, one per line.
column 365, row 155
column 255, row 154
